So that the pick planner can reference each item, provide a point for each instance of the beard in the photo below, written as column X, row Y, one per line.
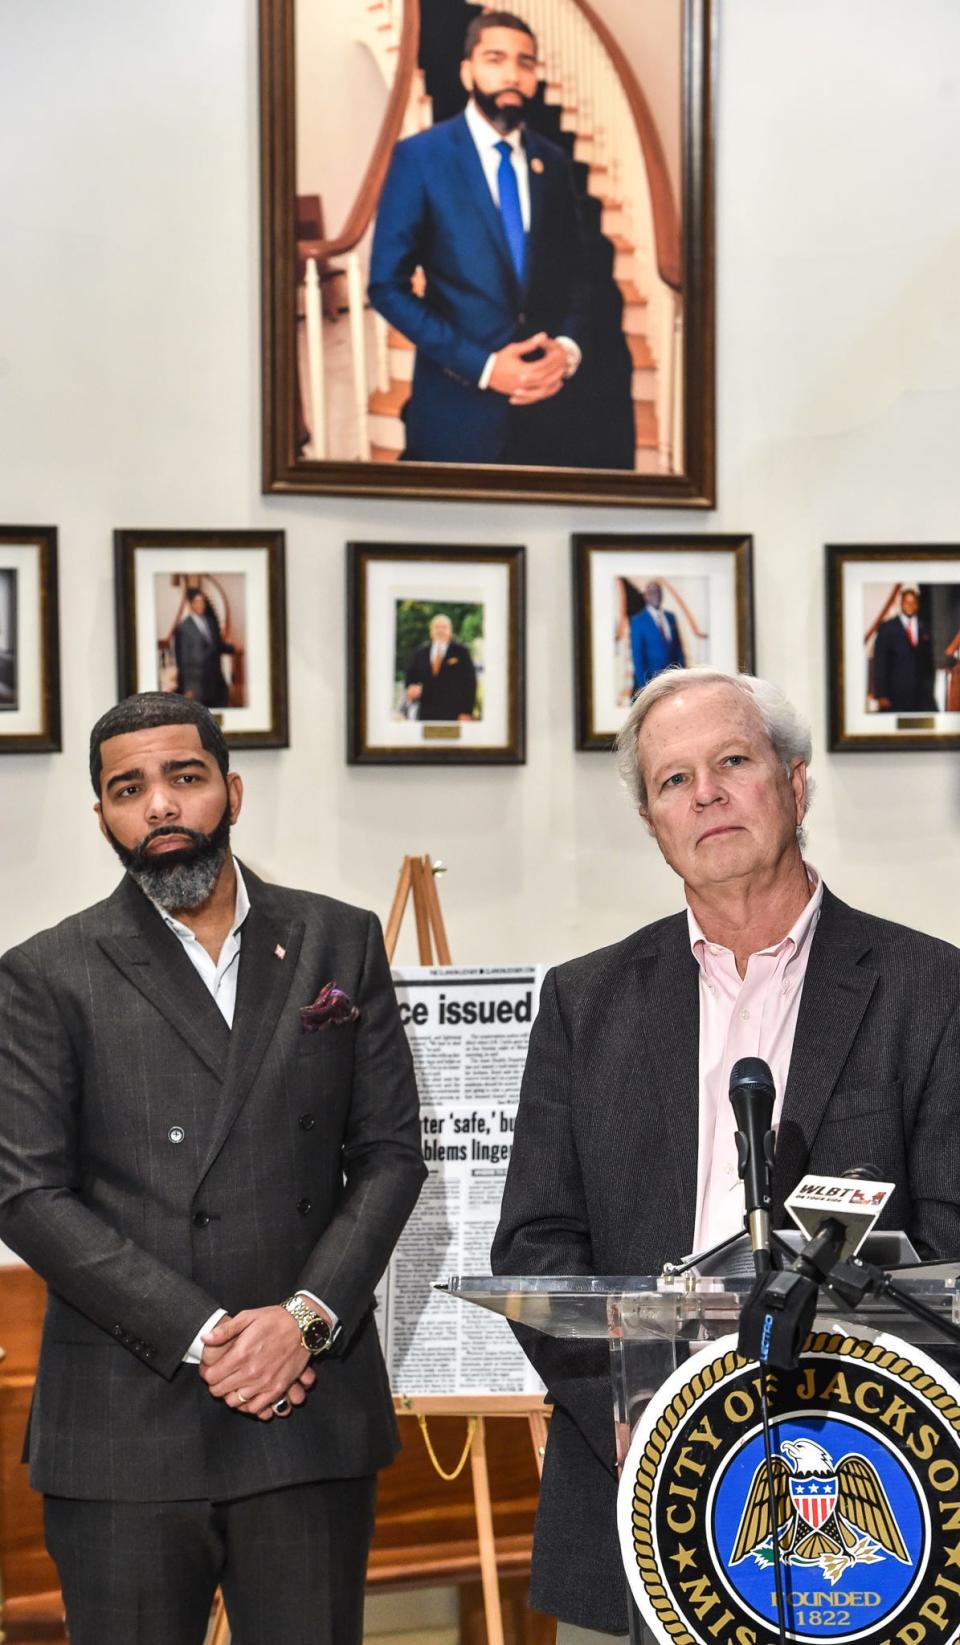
column 506, row 117
column 179, row 879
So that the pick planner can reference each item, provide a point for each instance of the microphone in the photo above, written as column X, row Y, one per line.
column 836, row 1213
column 752, row 1094
column 839, row 1211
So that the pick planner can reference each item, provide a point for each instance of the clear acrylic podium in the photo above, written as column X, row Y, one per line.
column 654, row 1323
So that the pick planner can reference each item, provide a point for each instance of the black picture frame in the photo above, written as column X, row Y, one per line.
column 394, row 591
column 148, row 615
column 866, row 585
column 717, row 573
column 680, row 184
column 29, row 641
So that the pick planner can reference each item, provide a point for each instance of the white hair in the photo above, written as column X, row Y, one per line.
column 788, row 734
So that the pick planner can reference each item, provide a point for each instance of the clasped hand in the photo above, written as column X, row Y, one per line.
column 525, row 381
column 257, row 1353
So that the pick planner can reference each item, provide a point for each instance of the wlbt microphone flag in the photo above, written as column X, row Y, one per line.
column 752, row 1094
column 854, row 1201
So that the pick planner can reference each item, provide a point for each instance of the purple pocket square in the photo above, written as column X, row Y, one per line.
column 330, row 1008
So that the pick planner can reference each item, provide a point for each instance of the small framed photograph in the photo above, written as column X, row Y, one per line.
column 435, row 665
column 643, row 604
column 894, row 646
column 29, row 641
column 203, row 613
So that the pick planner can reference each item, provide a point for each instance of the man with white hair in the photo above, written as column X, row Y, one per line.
column 441, row 679
column 624, row 1153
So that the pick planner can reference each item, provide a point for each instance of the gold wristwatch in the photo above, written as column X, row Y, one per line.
column 315, row 1334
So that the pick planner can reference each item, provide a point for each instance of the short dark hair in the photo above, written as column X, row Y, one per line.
column 494, row 20
column 192, row 593
column 145, row 711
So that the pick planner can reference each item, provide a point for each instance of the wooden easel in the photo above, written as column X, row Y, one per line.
column 418, row 876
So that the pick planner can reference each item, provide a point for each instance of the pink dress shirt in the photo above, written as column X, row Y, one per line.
column 752, row 1016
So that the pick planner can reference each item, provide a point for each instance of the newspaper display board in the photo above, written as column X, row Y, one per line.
column 468, row 1028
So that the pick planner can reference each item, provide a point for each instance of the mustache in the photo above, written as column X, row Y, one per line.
column 140, row 857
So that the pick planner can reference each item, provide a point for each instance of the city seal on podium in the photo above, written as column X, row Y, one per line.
column 865, row 1509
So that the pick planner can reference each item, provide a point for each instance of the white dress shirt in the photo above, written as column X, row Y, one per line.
column 486, row 137
column 220, row 979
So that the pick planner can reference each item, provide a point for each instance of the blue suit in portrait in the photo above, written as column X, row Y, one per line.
column 436, row 212
column 653, row 651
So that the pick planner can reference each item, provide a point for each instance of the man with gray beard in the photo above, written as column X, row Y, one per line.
column 209, row 1144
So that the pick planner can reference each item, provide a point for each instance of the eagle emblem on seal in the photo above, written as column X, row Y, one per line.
column 826, row 1514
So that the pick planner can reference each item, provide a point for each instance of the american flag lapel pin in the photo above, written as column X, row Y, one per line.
column 536, row 165
column 280, row 952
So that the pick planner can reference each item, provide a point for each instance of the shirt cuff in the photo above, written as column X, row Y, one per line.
column 334, row 1321
column 487, row 372
column 194, row 1353
column 573, row 352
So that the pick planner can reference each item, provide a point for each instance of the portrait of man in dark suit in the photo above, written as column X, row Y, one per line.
column 198, row 647
column 486, row 208
column 209, row 1144
column 624, row 1153
column 441, row 680
column 903, row 669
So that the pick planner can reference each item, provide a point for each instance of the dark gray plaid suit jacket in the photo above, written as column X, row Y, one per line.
column 155, row 1165
column 603, row 1174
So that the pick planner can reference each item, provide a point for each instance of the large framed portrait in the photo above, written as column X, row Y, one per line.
column 894, row 646
column 488, row 250
column 435, row 664
column 643, row 604
column 29, row 641
column 203, row 613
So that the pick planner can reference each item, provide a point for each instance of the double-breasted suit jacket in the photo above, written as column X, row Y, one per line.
column 603, row 1174
column 156, row 1165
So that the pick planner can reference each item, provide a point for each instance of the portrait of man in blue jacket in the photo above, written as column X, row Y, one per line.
column 487, row 209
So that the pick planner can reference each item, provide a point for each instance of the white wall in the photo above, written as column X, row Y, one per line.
column 129, row 396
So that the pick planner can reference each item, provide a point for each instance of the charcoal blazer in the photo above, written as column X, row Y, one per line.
column 603, row 1174
column 156, row 1165
column 436, row 212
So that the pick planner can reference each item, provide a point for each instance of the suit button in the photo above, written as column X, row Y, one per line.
column 306, row 1122
column 118, row 1330
column 521, row 319
column 200, row 1219
column 176, row 1133
column 304, row 1206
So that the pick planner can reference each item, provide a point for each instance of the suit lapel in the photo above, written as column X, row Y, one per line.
column 263, row 984
column 666, row 981
column 474, row 176
column 836, row 992
column 151, row 957
column 537, row 176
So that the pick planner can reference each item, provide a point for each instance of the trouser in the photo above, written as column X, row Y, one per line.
column 291, row 1564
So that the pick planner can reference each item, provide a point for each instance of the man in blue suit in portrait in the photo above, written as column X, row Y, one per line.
column 654, row 638
column 487, row 209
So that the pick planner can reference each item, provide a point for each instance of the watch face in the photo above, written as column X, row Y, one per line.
column 316, row 1336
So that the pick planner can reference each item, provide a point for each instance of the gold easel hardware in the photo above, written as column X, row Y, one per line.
column 419, row 876
column 431, row 1453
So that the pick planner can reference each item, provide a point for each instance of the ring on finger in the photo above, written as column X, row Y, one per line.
column 281, row 1407
column 241, row 1397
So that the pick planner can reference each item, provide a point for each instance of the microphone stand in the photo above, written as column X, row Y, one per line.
column 855, row 1280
